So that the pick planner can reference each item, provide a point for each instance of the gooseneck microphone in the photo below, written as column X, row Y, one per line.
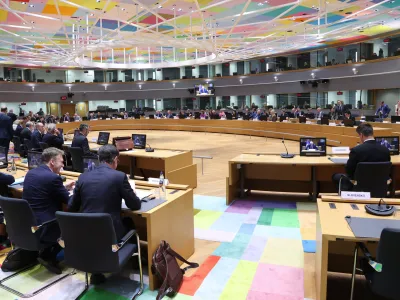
column 149, row 149
column 286, row 155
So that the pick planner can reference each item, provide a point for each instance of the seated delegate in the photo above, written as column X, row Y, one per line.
column 53, row 138
column 80, row 140
column 102, row 190
column 45, row 192
column 368, row 151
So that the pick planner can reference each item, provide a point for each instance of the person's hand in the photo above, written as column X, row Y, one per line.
column 56, row 132
column 70, row 186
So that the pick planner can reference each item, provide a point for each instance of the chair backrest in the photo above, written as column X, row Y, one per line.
column 372, row 177
column 385, row 283
column 77, row 158
column 28, row 144
column 43, row 146
column 17, row 143
column 88, row 240
column 20, row 220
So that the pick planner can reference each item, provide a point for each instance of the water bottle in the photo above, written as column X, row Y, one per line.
column 161, row 182
column 13, row 167
column 162, row 188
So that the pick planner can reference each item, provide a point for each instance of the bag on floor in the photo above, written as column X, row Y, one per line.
column 19, row 258
column 167, row 269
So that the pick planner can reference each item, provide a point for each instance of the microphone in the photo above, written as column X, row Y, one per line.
column 286, row 155
column 149, row 149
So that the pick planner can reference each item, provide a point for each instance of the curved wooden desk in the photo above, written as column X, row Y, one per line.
column 336, row 135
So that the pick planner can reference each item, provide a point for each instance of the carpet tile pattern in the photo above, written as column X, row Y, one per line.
column 256, row 252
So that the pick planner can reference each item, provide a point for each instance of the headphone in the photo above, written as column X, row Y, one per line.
column 380, row 210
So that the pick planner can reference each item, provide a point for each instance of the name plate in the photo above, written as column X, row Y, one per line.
column 340, row 150
column 308, row 122
column 355, row 195
column 332, row 124
column 157, row 180
column 385, row 122
column 284, row 121
column 77, row 121
column 397, row 122
column 94, row 140
column 147, row 118
column 65, row 121
column 107, row 118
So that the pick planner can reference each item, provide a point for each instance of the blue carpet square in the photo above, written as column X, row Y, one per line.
column 309, row 246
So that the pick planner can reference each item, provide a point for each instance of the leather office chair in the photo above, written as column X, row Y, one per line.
column 28, row 145
column 90, row 252
column 24, row 232
column 384, row 283
column 43, row 146
column 77, row 159
column 17, row 145
column 377, row 184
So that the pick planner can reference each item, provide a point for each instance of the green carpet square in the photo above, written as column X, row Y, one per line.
column 100, row 294
column 285, row 218
column 266, row 216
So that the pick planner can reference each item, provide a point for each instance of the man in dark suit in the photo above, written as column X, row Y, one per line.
column 53, row 138
column 12, row 115
column 37, row 135
column 169, row 115
column 26, row 133
column 66, row 117
column 320, row 113
column 45, row 192
column 5, row 181
column 383, row 110
column 339, row 109
column 81, row 141
column 102, row 190
column 348, row 116
column 368, row 151
column 6, row 129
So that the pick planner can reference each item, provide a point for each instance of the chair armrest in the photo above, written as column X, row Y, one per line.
column 36, row 228
column 124, row 240
column 371, row 262
column 364, row 249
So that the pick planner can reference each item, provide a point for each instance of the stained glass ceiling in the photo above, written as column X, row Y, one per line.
column 150, row 33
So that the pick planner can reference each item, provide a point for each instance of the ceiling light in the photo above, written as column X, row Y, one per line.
column 122, row 8
column 260, row 4
column 23, row 2
column 355, row 71
column 98, row 1
column 160, row 6
column 91, row 15
column 313, row 75
column 33, row 22
column 241, row 80
column 180, row 9
column 276, row 78
column 33, row 89
column 31, row 5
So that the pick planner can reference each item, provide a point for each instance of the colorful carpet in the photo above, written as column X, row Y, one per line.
column 253, row 249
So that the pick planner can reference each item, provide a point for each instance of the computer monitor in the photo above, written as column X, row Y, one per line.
column 311, row 146
column 370, row 118
column 390, row 142
column 124, row 143
column 103, row 138
column 89, row 163
column 139, row 141
column 246, row 117
column 3, row 157
column 325, row 121
column 34, row 159
column 394, row 119
column 137, row 116
column 348, row 123
column 151, row 116
column 302, row 119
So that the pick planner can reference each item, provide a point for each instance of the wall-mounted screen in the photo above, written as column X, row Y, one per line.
column 205, row 89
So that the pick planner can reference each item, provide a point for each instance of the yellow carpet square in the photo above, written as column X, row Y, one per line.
column 286, row 252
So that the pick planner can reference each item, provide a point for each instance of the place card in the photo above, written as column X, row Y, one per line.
column 340, row 150
column 355, row 195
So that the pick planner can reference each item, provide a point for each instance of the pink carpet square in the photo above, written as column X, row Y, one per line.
column 253, row 295
column 239, row 209
column 279, row 280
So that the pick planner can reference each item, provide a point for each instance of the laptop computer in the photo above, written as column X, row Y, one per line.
column 124, row 143
column 103, row 138
column 139, row 141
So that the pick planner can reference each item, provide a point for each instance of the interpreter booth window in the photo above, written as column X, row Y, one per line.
column 270, row 64
column 320, row 99
column 140, row 103
column 303, row 61
column 225, row 69
column 211, row 70
column 203, row 71
column 188, row 103
column 204, row 102
column 282, row 100
column 241, row 102
column 393, row 46
column 140, row 75
column 188, row 72
column 291, row 63
column 240, row 67
column 301, row 99
column 99, row 76
column 172, row 73
column 172, row 103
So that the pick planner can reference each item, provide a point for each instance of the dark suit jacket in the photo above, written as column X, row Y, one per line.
column 36, row 137
column 25, row 134
column 53, row 140
column 339, row 110
column 12, row 116
column 6, row 129
column 82, row 142
column 369, row 151
column 45, row 193
column 5, row 181
column 18, row 130
column 101, row 191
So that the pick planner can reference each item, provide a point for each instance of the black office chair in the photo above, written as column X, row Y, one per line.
column 24, row 232
column 18, row 146
column 384, row 283
column 377, row 184
column 90, row 252
column 43, row 146
column 77, row 159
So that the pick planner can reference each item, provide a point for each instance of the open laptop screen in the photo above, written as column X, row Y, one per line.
column 34, row 159
column 390, row 142
column 310, row 146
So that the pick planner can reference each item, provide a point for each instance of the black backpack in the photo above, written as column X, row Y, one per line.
column 19, row 258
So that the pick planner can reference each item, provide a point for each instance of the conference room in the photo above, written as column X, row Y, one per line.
column 252, row 144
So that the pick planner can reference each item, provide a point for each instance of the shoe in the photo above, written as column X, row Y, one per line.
column 97, row 278
column 50, row 266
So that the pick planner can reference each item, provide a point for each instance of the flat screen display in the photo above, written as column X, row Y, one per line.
column 205, row 89
column 103, row 138
column 139, row 141
column 34, row 159
column 390, row 142
column 310, row 146
column 89, row 163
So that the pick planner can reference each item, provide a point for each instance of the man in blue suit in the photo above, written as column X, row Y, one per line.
column 37, row 135
column 383, row 110
column 102, row 190
column 6, row 129
column 45, row 192
column 53, row 138
column 80, row 140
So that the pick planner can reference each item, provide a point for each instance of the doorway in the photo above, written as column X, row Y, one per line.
column 70, row 108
